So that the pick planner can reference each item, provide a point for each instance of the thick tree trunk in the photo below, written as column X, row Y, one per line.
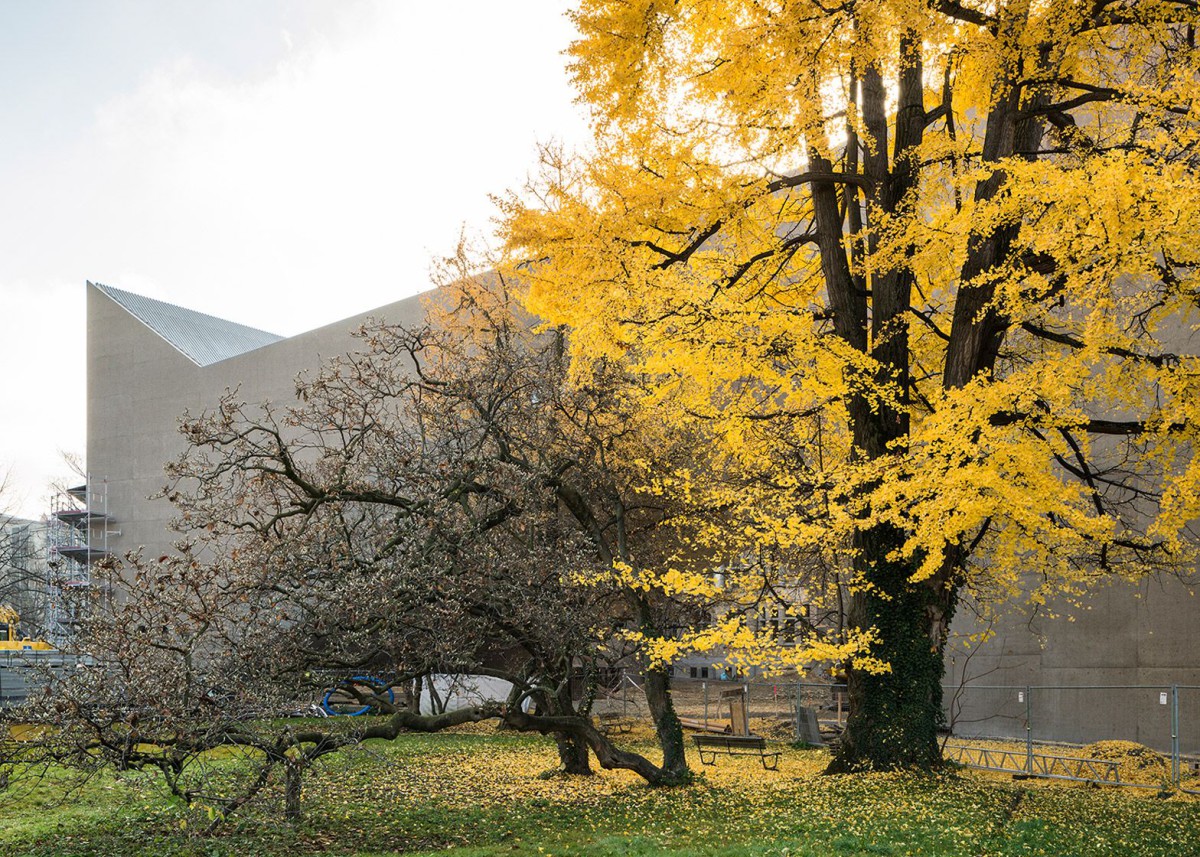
column 573, row 755
column 895, row 716
column 572, row 750
column 666, row 724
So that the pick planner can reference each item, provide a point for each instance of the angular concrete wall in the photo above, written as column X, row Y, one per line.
column 139, row 386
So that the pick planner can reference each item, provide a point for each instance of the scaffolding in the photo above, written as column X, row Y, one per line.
column 77, row 538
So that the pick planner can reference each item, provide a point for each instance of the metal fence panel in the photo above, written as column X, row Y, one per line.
column 1187, row 758
column 987, row 711
column 1084, row 715
column 21, row 673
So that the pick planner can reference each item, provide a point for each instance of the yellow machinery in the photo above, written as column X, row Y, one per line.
column 10, row 640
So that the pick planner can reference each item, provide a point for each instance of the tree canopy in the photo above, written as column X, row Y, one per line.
column 926, row 271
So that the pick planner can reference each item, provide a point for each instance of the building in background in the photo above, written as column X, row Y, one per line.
column 149, row 362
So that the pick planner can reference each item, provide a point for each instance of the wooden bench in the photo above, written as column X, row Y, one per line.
column 612, row 723
column 710, row 746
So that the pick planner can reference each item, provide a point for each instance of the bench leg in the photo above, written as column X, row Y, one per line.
column 774, row 766
column 710, row 761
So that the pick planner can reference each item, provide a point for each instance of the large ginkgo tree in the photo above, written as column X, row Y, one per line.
column 926, row 270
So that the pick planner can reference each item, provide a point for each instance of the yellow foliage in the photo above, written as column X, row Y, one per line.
column 1064, row 276
column 1136, row 763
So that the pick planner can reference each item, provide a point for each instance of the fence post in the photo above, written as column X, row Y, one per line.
column 1175, row 735
column 1028, row 731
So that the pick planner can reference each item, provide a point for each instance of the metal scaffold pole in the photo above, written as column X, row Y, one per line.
column 77, row 537
column 1028, row 731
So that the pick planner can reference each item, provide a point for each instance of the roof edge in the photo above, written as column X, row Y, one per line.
column 206, row 350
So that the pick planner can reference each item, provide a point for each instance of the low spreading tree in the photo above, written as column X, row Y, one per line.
column 441, row 501
column 926, row 272
column 452, row 454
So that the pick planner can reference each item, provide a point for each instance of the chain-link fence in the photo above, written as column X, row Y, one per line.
column 1187, row 738
column 1137, row 735
column 21, row 673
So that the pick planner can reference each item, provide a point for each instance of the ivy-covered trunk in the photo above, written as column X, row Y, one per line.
column 573, row 755
column 895, row 715
column 666, row 725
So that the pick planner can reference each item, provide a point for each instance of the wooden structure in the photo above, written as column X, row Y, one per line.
column 711, row 746
column 739, row 718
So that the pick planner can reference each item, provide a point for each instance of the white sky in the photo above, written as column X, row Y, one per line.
column 280, row 163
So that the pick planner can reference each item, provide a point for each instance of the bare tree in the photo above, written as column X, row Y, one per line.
column 438, row 446
column 443, row 502
column 22, row 567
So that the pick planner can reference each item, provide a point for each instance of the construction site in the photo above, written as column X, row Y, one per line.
column 56, row 589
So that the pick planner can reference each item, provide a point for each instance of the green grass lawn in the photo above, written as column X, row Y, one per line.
column 479, row 794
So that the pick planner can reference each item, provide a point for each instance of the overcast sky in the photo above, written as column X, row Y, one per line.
column 280, row 163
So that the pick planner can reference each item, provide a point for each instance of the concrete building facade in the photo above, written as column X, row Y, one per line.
column 149, row 362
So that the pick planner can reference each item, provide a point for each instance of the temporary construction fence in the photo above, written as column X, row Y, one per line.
column 21, row 673
column 1048, row 721
column 1026, row 730
column 766, row 703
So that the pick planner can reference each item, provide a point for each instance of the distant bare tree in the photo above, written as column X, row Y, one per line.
column 22, row 566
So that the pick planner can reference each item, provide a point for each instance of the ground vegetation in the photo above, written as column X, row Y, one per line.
column 479, row 794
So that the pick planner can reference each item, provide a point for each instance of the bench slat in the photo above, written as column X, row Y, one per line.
column 735, row 745
column 730, row 740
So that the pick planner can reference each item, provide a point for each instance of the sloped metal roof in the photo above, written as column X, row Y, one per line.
column 203, row 339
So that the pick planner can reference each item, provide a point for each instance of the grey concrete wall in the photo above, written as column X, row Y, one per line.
column 139, row 386
column 1098, row 669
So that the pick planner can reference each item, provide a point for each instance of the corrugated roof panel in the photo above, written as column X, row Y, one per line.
column 203, row 339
